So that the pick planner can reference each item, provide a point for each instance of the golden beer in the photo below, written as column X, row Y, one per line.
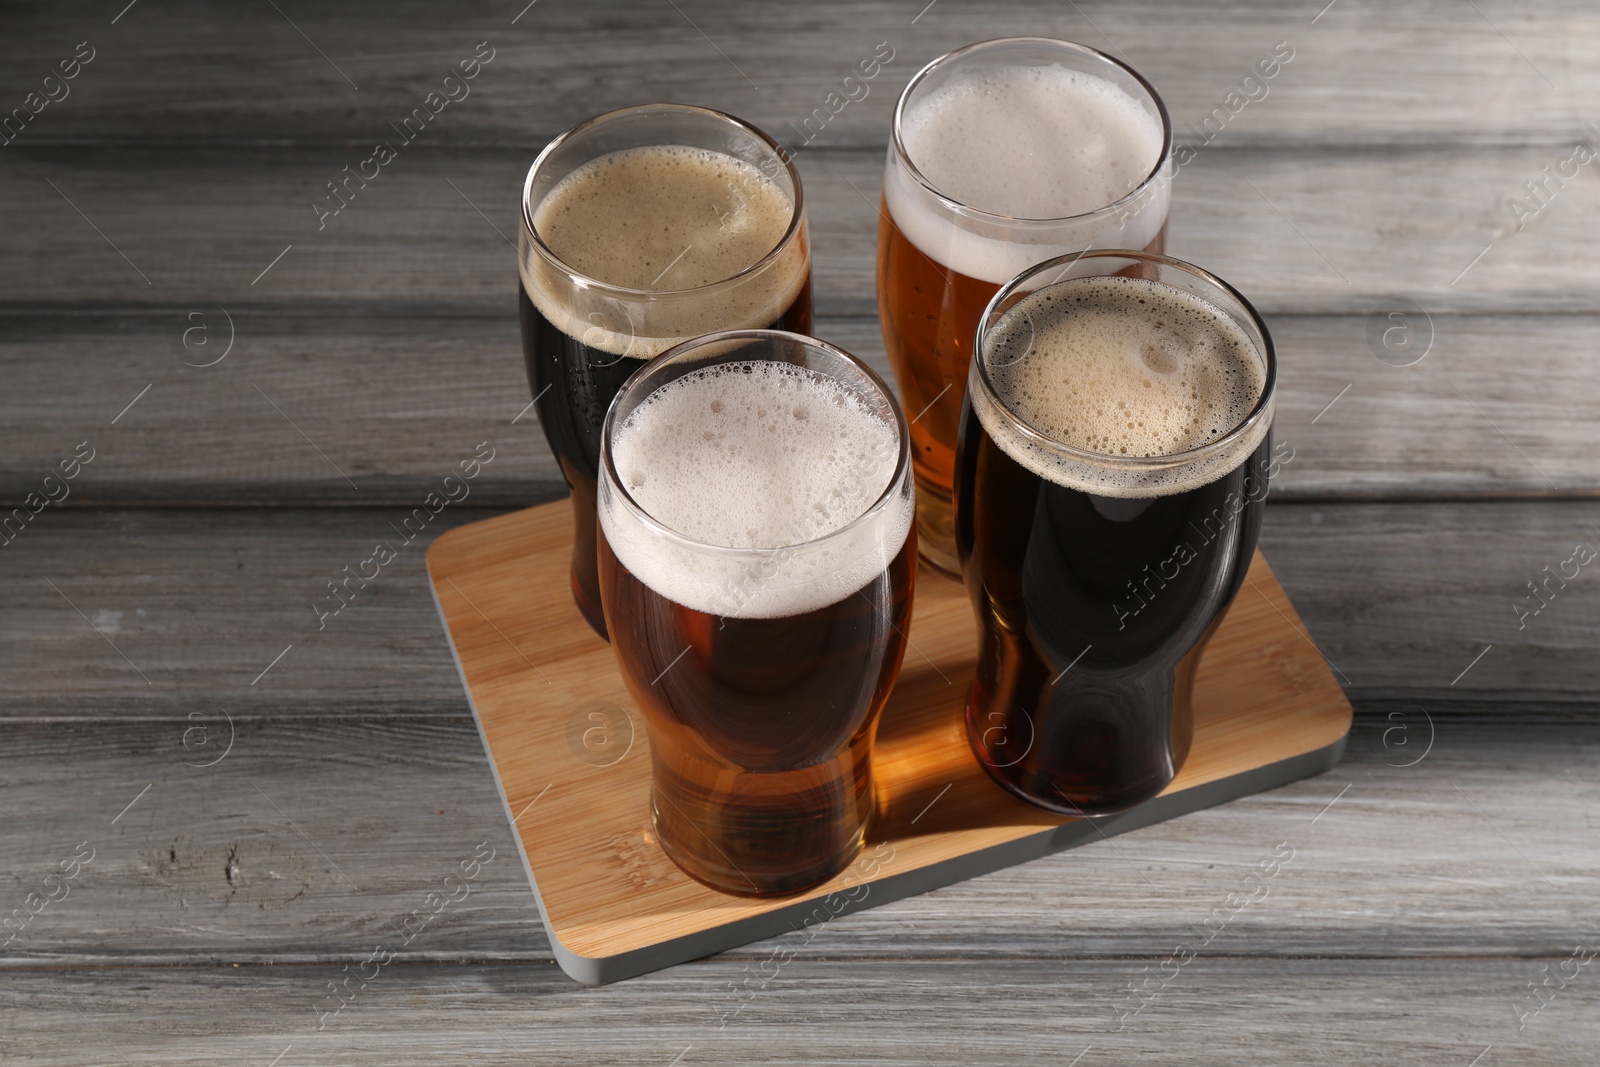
column 1004, row 154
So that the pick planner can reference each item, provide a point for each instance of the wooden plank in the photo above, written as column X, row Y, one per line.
column 234, row 832
column 200, row 225
column 204, row 868
column 371, row 410
column 395, row 400
column 131, row 613
column 1363, row 72
column 1401, row 597
column 1407, row 601
column 1461, row 421
column 825, row 1011
column 1266, row 711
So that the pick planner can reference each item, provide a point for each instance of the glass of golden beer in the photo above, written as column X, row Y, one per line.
column 757, row 562
column 1004, row 154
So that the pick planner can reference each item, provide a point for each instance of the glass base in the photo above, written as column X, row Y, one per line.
column 1036, row 777
column 1049, row 798
column 722, row 875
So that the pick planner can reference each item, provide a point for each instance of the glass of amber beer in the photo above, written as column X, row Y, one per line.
column 642, row 228
column 757, row 562
column 1115, row 454
column 1003, row 154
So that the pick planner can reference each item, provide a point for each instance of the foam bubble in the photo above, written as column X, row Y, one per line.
column 1030, row 142
column 755, row 455
column 1121, row 367
column 663, row 218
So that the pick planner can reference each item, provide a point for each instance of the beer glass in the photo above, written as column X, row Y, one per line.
column 1115, row 454
column 1003, row 154
column 642, row 228
column 757, row 562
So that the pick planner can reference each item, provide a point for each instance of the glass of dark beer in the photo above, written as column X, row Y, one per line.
column 1003, row 154
column 642, row 228
column 1115, row 454
column 757, row 562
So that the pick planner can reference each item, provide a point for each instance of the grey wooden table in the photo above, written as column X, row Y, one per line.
column 239, row 807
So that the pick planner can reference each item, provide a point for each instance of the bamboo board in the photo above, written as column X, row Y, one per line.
column 572, row 760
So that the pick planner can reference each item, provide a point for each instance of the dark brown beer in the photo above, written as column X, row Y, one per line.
column 573, row 384
column 638, row 234
column 1107, row 510
column 757, row 561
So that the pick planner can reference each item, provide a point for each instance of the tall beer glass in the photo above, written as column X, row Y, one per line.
column 757, row 560
column 642, row 228
column 1004, row 154
column 1115, row 455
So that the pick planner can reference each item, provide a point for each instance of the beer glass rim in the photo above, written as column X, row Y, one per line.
column 641, row 377
column 796, row 218
column 897, row 143
column 1262, row 410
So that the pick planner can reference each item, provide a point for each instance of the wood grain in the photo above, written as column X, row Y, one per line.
column 1223, row 1012
column 143, row 620
column 394, row 400
column 1403, row 599
column 200, row 225
column 245, row 843
column 203, row 869
column 224, row 591
column 1363, row 73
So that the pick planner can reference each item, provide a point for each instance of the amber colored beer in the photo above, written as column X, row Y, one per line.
column 1004, row 154
column 761, row 730
column 929, row 315
column 757, row 564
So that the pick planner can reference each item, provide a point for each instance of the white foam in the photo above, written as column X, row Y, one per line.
column 1032, row 143
column 1126, row 368
column 663, row 218
column 755, row 456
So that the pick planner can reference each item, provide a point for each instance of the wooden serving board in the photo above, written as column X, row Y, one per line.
column 572, row 760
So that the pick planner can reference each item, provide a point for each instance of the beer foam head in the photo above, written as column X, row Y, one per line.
column 662, row 219
column 761, row 456
column 1127, row 369
column 1032, row 142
